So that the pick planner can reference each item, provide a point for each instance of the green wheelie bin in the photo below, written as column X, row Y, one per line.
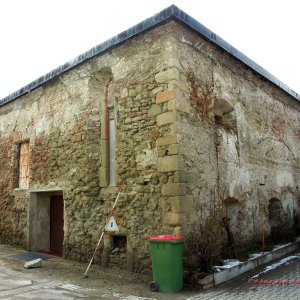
column 167, row 263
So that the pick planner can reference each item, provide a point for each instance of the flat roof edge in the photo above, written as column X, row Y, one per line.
column 215, row 39
column 147, row 24
column 171, row 12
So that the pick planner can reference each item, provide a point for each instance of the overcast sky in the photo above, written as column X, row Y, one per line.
column 40, row 35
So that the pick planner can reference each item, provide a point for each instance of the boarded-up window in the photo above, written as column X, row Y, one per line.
column 24, row 165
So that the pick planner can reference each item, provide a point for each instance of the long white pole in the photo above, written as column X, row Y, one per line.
column 110, row 214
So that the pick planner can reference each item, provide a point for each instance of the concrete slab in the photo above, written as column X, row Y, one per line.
column 255, row 262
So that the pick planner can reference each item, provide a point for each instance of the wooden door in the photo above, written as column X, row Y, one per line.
column 56, row 224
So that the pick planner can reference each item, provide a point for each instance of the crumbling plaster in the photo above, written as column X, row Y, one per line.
column 252, row 157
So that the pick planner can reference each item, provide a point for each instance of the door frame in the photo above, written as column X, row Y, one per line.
column 56, row 224
column 39, row 220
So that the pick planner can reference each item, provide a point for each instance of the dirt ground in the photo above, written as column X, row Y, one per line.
column 99, row 278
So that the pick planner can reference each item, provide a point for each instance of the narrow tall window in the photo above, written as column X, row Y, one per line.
column 23, row 181
column 112, row 154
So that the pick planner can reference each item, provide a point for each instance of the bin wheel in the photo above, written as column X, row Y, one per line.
column 153, row 286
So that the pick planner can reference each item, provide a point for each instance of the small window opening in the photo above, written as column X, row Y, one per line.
column 118, row 256
column 23, row 170
column 112, row 153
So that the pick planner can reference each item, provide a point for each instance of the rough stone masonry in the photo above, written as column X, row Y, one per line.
column 198, row 135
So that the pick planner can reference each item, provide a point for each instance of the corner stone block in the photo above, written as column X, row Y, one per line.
column 166, row 140
column 166, row 118
column 173, row 149
column 180, row 204
column 167, row 75
column 165, row 96
column 168, row 163
column 174, row 189
column 154, row 111
column 172, row 105
column 174, row 219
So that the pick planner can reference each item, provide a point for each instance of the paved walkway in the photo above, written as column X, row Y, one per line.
column 280, row 280
column 62, row 279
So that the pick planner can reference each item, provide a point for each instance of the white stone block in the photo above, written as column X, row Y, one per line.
column 36, row 263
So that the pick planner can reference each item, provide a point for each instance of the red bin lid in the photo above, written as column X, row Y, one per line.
column 165, row 237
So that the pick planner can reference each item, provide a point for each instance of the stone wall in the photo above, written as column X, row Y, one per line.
column 238, row 142
column 197, row 133
column 65, row 123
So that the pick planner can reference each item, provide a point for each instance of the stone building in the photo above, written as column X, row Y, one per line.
column 193, row 128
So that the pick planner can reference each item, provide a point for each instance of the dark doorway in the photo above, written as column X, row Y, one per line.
column 56, row 224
